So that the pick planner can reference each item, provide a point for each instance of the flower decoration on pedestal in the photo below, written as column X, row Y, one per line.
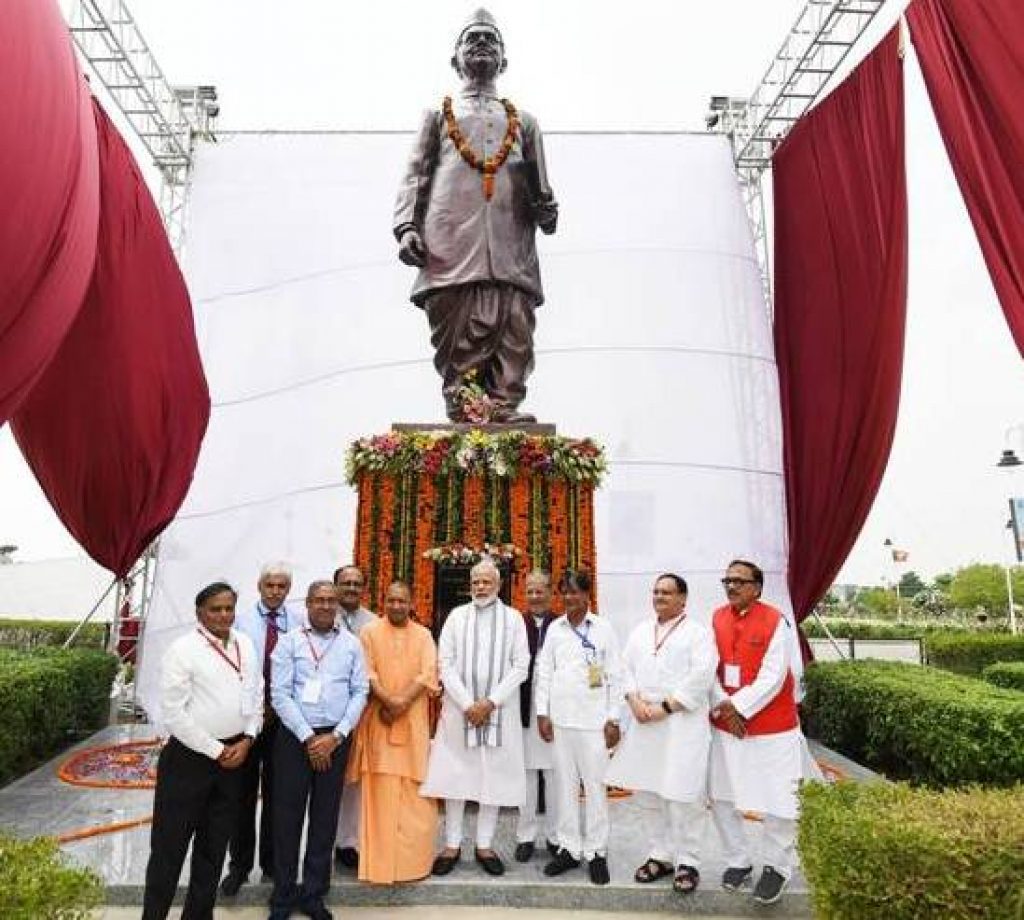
column 506, row 455
column 460, row 554
column 474, row 403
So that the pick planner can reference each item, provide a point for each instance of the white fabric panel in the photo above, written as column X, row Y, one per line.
column 654, row 340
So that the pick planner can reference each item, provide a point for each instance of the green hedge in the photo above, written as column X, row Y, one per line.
column 892, row 852
column 916, row 722
column 37, row 882
column 972, row 653
column 1009, row 674
column 897, row 629
column 48, row 697
column 30, row 634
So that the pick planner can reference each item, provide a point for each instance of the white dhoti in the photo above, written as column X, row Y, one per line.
column 759, row 774
column 675, row 829
column 348, row 819
column 539, row 757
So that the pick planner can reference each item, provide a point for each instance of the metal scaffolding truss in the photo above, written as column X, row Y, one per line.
column 812, row 52
column 167, row 120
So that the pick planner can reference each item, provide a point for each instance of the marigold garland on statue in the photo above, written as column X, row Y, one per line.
column 506, row 455
column 489, row 166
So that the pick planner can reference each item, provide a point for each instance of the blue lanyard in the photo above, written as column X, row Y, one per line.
column 588, row 646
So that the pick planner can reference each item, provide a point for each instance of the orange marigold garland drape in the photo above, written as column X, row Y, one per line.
column 399, row 518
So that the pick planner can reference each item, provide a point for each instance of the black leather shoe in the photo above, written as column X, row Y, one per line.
column 770, row 886
column 735, row 877
column 347, row 857
column 492, row 864
column 444, row 864
column 524, row 851
column 232, row 882
column 316, row 910
column 563, row 862
column 599, row 871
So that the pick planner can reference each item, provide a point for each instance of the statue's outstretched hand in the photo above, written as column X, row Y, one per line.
column 411, row 249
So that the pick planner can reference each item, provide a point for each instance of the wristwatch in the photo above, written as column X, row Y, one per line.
column 668, row 709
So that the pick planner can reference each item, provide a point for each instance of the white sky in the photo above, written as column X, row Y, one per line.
column 648, row 64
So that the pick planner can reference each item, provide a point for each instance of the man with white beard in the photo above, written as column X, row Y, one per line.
column 670, row 664
column 477, row 753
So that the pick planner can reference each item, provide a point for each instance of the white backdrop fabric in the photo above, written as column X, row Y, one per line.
column 654, row 340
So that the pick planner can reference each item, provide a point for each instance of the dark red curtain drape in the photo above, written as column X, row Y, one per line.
column 112, row 429
column 840, row 205
column 972, row 56
column 49, row 192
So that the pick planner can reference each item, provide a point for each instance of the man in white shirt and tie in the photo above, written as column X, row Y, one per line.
column 211, row 698
column 264, row 622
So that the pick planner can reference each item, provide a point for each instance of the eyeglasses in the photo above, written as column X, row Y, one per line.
column 350, row 584
column 738, row 581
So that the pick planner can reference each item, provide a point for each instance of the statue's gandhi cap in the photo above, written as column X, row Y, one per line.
column 481, row 17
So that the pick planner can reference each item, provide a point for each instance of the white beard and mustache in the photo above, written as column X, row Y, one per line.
column 482, row 603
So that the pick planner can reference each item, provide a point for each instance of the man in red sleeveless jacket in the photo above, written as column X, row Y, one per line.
column 757, row 750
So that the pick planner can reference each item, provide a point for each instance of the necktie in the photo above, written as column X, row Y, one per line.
column 268, row 647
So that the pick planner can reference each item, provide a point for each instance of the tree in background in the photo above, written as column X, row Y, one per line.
column 984, row 585
column 911, row 585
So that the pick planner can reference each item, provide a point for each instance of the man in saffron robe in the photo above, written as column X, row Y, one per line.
column 389, row 751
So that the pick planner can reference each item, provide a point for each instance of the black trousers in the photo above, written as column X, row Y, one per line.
column 257, row 779
column 196, row 801
column 299, row 790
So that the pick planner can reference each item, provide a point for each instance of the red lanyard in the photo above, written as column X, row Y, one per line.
column 312, row 651
column 236, row 666
column 658, row 644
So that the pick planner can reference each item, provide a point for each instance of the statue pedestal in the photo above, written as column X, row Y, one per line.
column 432, row 501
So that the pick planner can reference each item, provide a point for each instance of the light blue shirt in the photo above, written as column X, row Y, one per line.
column 343, row 682
column 253, row 622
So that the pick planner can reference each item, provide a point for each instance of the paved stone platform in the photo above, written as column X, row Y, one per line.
column 40, row 803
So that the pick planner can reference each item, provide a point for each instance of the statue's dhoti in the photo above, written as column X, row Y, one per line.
column 486, row 326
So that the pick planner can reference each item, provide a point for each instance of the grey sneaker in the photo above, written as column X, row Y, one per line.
column 770, row 886
column 734, row 878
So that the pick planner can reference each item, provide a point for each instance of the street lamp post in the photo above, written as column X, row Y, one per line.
column 1009, row 461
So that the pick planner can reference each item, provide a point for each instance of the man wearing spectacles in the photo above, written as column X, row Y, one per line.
column 758, row 755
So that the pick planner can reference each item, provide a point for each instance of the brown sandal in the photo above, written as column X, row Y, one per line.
column 686, row 880
column 651, row 871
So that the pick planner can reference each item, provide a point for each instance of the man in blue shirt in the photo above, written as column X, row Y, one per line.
column 319, row 688
column 264, row 623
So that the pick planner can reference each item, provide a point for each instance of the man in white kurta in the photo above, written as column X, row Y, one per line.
column 477, row 753
column 537, row 753
column 670, row 662
column 352, row 617
column 758, row 752
column 578, row 703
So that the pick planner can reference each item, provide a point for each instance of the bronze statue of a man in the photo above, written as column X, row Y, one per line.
column 475, row 191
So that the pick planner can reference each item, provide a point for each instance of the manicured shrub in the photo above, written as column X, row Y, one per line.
column 37, row 882
column 49, row 698
column 842, row 628
column 916, row 722
column 30, row 634
column 1009, row 674
column 885, row 851
column 970, row 653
